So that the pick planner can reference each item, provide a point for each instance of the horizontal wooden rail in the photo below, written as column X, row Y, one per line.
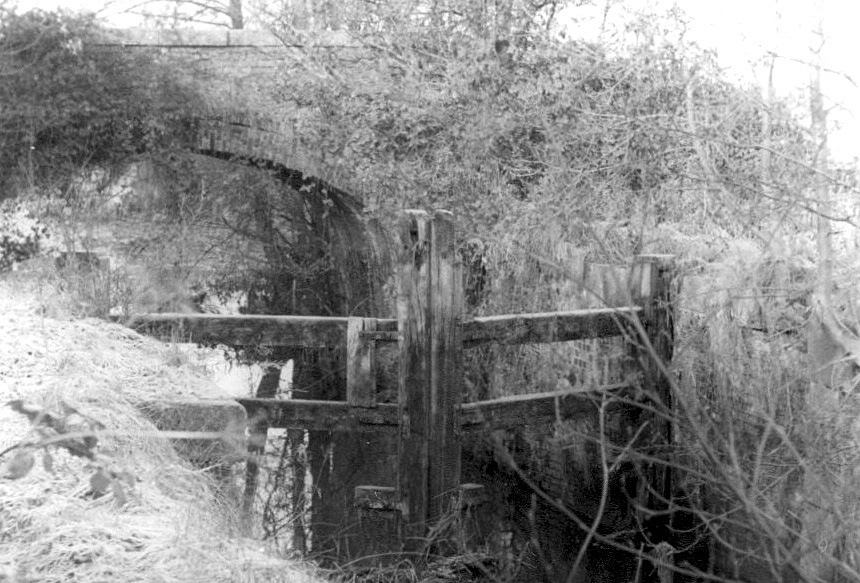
column 320, row 331
column 321, row 415
column 246, row 330
column 515, row 410
column 548, row 326
column 503, row 412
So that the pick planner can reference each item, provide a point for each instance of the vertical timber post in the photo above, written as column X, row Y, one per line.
column 652, row 289
column 653, row 275
column 428, row 311
column 377, row 541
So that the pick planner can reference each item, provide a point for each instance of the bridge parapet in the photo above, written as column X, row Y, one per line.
column 127, row 37
column 231, row 68
column 235, row 73
column 156, row 37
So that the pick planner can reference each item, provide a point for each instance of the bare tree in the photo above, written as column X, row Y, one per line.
column 226, row 13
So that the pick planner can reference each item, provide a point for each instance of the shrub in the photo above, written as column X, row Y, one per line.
column 21, row 234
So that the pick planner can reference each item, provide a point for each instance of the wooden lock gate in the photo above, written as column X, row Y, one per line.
column 430, row 418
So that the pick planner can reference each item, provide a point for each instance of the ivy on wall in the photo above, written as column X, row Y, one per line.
column 65, row 106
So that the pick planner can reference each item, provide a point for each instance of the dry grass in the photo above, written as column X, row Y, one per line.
column 174, row 525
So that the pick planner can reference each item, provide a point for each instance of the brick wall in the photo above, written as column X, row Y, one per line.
column 236, row 73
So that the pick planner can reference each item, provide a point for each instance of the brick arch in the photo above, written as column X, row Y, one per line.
column 236, row 73
column 253, row 139
column 258, row 141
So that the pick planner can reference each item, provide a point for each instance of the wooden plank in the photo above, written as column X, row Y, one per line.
column 314, row 331
column 429, row 306
column 361, row 363
column 321, row 415
column 246, row 330
column 378, row 540
column 413, row 303
column 548, row 327
column 653, row 289
column 503, row 412
column 446, row 367
column 516, row 410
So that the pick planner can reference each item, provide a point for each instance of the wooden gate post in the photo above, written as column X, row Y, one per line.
column 431, row 370
column 652, row 289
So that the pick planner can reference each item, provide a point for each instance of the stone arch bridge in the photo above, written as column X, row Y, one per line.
column 236, row 73
column 236, row 118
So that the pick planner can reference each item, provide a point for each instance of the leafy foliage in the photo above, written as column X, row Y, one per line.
column 72, row 432
column 21, row 234
column 66, row 104
column 500, row 126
